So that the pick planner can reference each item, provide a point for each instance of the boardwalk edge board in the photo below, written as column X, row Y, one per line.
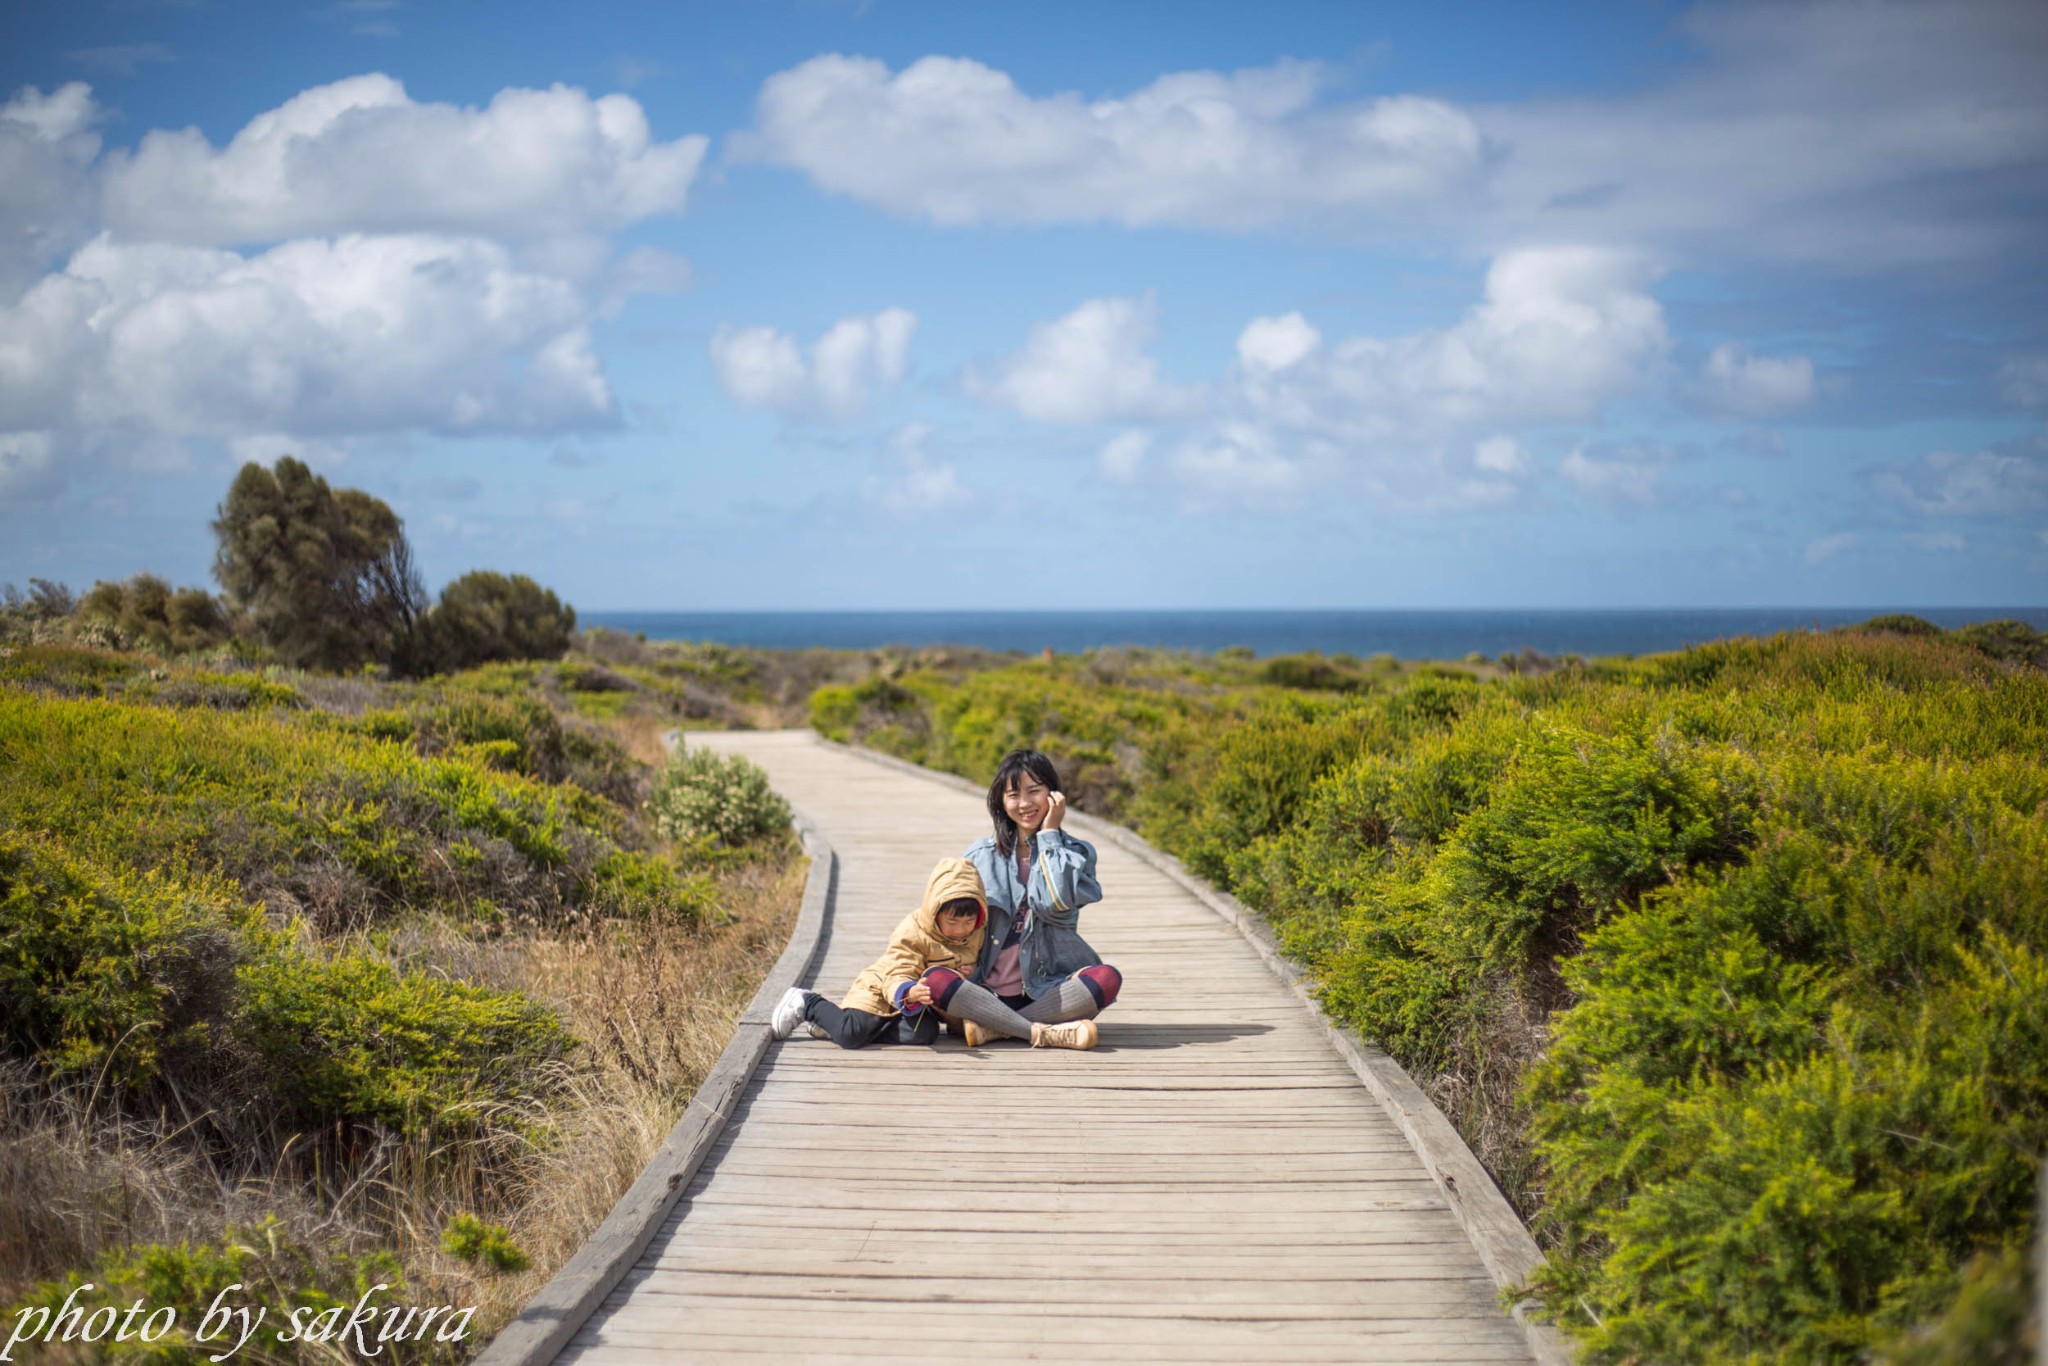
column 551, row 1318
column 1490, row 1222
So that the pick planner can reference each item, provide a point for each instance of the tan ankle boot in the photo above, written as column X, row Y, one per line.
column 1079, row 1034
column 976, row 1035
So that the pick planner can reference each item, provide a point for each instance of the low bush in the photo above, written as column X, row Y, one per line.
column 484, row 617
column 300, row 810
column 510, row 729
column 108, row 971
column 349, row 1039
column 146, row 612
column 257, row 1268
column 134, row 981
column 705, row 797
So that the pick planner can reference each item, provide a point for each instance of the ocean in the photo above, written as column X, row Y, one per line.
column 1419, row 634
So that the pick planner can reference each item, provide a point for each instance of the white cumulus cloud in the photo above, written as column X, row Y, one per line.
column 2005, row 482
column 957, row 142
column 1238, row 460
column 47, row 148
column 764, row 367
column 1822, row 548
column 353, row 335
column 1269, row 344
column 350, row 263
column 1089, row 366
column 1500, row 455
column 359, row 155
column 1629, row 476
column 918, row 483
column 1849, row 134
column 1940, row 542
column 2023, row 380
column 1414, row 421
column 27, row 465
column 1560, row 331
column 1122, row 457
column 1735, row 383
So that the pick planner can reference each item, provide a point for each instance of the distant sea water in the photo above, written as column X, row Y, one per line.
column 1418, row 634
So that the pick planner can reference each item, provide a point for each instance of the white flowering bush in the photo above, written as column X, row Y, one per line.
column 704, row 796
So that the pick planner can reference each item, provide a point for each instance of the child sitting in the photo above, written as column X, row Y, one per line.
column 900, row 997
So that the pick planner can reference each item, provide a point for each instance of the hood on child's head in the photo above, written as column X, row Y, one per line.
column 951, row 878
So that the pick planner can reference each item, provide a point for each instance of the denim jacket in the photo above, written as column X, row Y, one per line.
column 1052, row 947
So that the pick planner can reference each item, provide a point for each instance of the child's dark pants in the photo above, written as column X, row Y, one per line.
column 858, row 1029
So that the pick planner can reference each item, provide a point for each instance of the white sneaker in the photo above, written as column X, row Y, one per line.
column 789, row 1012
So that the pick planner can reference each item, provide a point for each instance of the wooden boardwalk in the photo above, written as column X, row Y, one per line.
column 1211, row 1184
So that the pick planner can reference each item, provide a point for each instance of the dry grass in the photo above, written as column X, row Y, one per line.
column 655, row 1005
column 81, row 1182
column 1480, row 1094
column 641, row 732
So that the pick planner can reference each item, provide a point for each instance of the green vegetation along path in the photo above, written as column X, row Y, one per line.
column 1211, row 1184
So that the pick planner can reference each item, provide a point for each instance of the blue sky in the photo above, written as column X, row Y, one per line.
column 889, row 305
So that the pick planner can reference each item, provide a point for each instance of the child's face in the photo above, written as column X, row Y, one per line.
column 958, row 921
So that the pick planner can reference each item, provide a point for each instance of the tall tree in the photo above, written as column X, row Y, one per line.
column 327, row 577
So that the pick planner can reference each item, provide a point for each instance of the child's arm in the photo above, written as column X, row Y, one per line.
column 901, row 967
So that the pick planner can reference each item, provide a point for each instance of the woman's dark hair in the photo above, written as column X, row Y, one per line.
column 1015, row 765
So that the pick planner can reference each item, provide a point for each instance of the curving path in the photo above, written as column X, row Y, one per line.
column 1212, row 1184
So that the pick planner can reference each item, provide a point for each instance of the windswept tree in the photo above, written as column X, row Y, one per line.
column 327, row 577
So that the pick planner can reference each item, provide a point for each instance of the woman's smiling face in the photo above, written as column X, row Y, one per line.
column 1026, row 801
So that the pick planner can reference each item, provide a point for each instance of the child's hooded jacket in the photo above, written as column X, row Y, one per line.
column 915, row 946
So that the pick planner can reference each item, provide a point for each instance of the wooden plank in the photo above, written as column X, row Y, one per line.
column 1393, row 1293
column 1151, row 1340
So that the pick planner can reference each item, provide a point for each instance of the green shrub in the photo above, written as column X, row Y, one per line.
column 1264, row 770
column 874, row 707
column 147, row 611
column 1580, row 827
column 351, row 1039
column 106, row 971
column 470, row 1239
column 1901, row 623
column 125, row 979
column 485, row 616
column 1994, row 1320
column 351, row 830
column 258, row 1267
column 726, row 801
column 2014, row 642
column 1311, row 672
column 71, row 670
column 510, row 729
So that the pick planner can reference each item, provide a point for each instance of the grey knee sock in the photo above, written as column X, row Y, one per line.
column 985, row 1008
column 1070, row 1000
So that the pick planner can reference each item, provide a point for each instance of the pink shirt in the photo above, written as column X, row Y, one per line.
column 1006, row 978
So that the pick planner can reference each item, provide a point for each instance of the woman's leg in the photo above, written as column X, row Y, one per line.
column 1083, row 996
column 963, row 1000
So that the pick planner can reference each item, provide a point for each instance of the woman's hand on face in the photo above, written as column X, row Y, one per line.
column 1055, row 810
